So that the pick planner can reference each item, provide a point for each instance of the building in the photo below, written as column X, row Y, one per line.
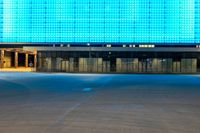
column 118, row 36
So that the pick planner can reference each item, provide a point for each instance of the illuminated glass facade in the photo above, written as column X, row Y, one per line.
column 114, row 21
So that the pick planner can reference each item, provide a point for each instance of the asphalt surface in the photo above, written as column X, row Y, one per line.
column 92, row 103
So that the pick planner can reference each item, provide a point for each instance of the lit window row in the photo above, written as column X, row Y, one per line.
column 146, row 46
column 198, row 46
column 108, row 45
column 130, row 46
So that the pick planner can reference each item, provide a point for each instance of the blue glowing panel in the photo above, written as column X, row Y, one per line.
column 112, row 21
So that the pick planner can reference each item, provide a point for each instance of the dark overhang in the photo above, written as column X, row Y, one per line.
column 115, row 49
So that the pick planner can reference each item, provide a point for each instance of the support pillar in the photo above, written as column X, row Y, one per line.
column 16, row 59
column 39, row 63
column 2, row 59
column 35, row 58
column 26, row 60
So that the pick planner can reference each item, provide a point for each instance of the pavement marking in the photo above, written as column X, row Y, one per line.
column 60, row 119
column 52, row 128
column 87, row 89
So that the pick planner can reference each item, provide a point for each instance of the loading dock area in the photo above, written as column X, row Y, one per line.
column 17, row 60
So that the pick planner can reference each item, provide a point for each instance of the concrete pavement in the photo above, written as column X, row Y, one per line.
column 92, row 103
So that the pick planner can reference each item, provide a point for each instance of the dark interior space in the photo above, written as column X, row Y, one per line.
column 30, row 60
column 12, row 59
column 21, row 60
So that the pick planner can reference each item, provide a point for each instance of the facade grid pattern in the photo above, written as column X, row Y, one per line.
column 102, row 21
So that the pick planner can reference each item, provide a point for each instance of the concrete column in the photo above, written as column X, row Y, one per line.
column 35, row 60
column 39, row 60
column 2, row 59
column 40, row 63
column 26, row 60
column 16, row 59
